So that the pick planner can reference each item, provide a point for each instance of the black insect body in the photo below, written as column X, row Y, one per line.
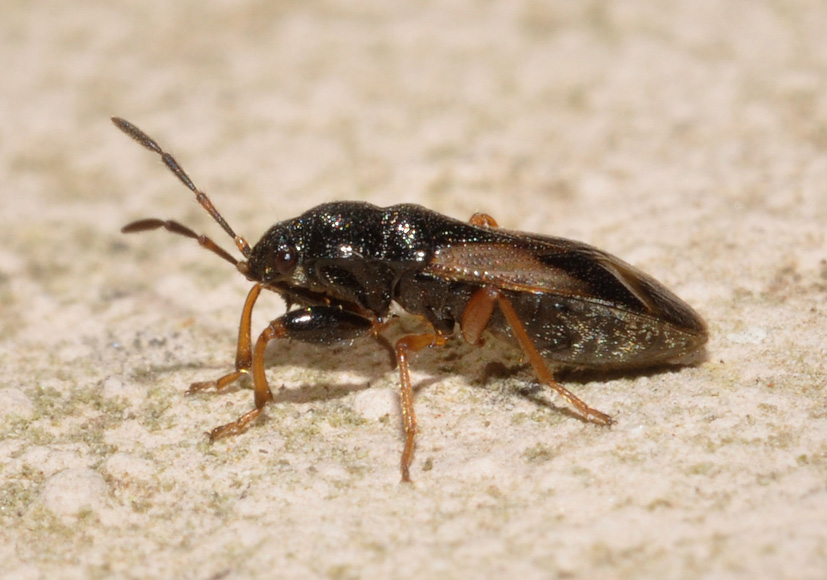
column 340, row 266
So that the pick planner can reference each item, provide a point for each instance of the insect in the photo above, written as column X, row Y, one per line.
column 341, row 265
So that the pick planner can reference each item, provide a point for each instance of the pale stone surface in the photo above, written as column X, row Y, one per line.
column 14, row 404
column 73, row 491
column 689, row 138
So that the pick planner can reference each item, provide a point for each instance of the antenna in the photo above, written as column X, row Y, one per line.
column 200, row 197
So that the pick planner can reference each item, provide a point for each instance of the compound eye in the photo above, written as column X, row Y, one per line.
column 285, row 259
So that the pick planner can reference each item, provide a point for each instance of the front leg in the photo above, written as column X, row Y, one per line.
column 315, row 324
column 244, row 352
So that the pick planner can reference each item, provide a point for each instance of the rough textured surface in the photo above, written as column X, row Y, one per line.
column 689, row 138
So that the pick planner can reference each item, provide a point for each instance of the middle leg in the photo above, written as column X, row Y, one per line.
column 404, row 346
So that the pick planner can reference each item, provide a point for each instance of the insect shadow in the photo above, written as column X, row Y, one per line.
column 524, row 384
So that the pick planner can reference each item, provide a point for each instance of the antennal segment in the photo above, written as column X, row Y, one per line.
column 180, row 229
column 173, row 166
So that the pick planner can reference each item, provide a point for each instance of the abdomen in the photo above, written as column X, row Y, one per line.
column 586, row 333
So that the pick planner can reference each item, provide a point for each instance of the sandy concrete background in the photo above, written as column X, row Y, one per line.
column 690, row 138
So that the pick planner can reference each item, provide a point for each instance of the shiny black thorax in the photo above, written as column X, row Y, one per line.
column 355, row 254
